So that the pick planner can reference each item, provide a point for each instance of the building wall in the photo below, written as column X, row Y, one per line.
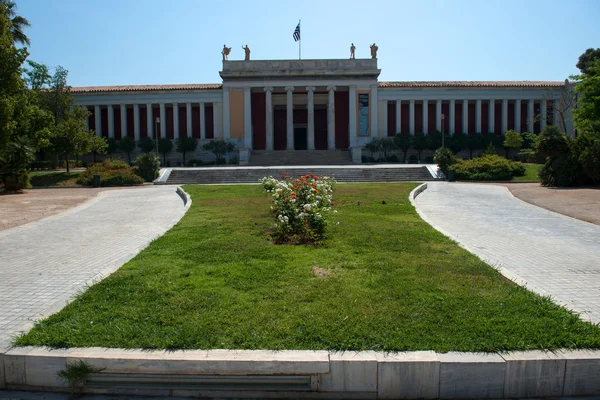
column 236, row 114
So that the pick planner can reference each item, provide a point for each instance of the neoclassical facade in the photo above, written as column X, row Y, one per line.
column 275, row 105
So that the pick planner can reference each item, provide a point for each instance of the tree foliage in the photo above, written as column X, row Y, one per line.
column 588, row 104
column 404, row 142
column 127, row 145
column 219, row 148
column 98, row 145
column 186, row 144
column 146, row 145
column 17, row 23
column 165, row 146
column 587, row 60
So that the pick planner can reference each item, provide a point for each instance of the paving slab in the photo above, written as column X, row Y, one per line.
column 46, row 262
column 549, row 253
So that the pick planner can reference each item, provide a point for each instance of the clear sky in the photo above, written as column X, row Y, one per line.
column 128, row 42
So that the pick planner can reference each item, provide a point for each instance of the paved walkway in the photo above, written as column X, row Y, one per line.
column 44, row 263
column 549, row 253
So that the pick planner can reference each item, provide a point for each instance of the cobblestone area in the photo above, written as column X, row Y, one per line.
column 44, row 263
column 549, row 253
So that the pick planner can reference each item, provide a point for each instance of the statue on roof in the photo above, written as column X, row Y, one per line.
column 352, row 49
column 374, row 49
column 225, row 52
column 247, row 50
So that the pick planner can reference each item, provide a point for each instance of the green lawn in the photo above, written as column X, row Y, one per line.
column 531, row 173
column 50, row 179
column 386, row 281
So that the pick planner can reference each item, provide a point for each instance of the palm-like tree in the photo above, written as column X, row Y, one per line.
column 18, row 23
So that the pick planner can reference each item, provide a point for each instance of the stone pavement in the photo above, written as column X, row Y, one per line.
column 549, row 253
column 44, row 263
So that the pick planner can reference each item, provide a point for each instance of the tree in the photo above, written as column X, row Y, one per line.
column 13, row 166
column 512, row 139
column 219, row 148
column 564, row 100
column 98, row 145
column 17, row 22
column 164, row 147
column 404, row 142
column 186, row 144
column 386, row 145
column 587, row 60
column 474, row 142
column 552, row 142
column 111, row 145
column 146, row 145
column 457, row 142
column 71, row 137
column 420, row 143
column 588, row 105
column 127, row 145
column 374, row 146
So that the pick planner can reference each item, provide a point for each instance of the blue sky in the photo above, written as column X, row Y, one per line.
column 121, row 42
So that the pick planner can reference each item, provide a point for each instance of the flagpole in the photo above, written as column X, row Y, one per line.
column 300, row 42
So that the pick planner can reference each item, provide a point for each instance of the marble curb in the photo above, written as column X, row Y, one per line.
column 187, row 200
column 375, row 375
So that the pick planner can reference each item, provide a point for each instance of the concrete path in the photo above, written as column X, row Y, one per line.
column 550, row 253
column 44, row 263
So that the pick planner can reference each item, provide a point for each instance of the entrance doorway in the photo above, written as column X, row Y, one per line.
column 300, row 140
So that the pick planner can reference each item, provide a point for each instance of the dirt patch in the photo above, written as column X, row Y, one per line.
column 35, row 204
column 321, row 272
column 581, row 203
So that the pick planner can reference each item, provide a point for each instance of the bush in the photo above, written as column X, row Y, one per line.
column 147, row 166
column 530, row 156
column 112, row 173
column 444, row 157
column 185, row 145
column 562, row 170
column 590, row 161
column 393, row 158
column 234, row 160
column 552, row 142
column 72, row 164
column 219, row 148
column 413, row 159
column 487, row 168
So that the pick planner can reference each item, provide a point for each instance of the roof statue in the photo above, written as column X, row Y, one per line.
column 247, row 50
column 374, row 49
column 352, row 49
column 225, row 52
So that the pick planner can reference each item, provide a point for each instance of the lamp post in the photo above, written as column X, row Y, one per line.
column 443, row 116
column 156, row 134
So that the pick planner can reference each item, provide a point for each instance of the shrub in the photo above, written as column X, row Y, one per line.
column 185, row 145
column 552, row 142
column 146, row 145
column 562, row 170
column 474, row 142
column 512, row 139
column 147, row 166
column 301, row 207
column 590, row 161
column 444, row 157
column 234, row 160
column 374, row 146
column 490, row 150
column 367, row 159
column 530, row 156
column 413, row 159
column 393, row 158
column 72, row 164
column 127, row 145
column 13, row 164
column 457, row 142
column 403, row 141
column 487, row 168
column 219, row 148
column 112, row 173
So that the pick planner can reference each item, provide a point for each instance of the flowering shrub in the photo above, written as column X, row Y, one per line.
column 301, row 206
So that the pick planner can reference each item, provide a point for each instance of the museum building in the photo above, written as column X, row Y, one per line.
column 329, row 104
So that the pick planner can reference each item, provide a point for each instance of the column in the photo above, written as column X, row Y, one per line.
column 411, row 117
column 311, row 118
column 247, row 118
column 202, row 121
column 491, row 114
column 163, row 121
column 331, row 118
column 216, row 127
column 518, row 116
column 352, row 115
column 425, row 116
column 530, row 116
column 123, row 120
column 87, row 119
column 504, row 116
column 176, row 120
column 398, row 116
column 452, row 118
column 384, row 112
column 226, row 133
column 438, row 115
column 98, row 117
column 289, row 108
column 374, row 112
column 111, row 121
column 188, row 117
column 149, row 121
column 555, row 116
column 269, row 117
column 478, row 116
column 136, row 122
column 465, row 116
column 544, row 112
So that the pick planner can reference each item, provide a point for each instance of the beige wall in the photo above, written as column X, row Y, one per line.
column 236, row 114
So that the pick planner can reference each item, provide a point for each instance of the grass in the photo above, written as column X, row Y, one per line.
column 53, row 179
column 384, row 280
column 531, row 173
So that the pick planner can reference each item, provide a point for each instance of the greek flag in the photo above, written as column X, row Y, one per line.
column 297, row 33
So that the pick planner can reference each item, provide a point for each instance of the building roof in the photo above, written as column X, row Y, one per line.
column 146, row 88
column 482, row 84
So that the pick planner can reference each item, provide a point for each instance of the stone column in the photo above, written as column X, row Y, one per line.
column 269, row 117
column 384, row 113
column 136, row 122
column 163, row 121
column 247, row 118
column 478, row 116
column 176, row 120
column 111, row 121
column 411, row 117
column 504, row 116
column 518, row 116
column 289, row 104
column 352, row 115
column 331, row 118
column 374, row 112
column 188, row 117
column 530, row 116
column 216, row 127
column 311, row 117
column 491, row 114
column 123, row 120
column 98, row 117
column 425, row 116
column 202, row 121
column 465, row 116
column 149, row 121
column 398, row 116
column 226, row 131
column 438, row 115
column 452, row 118
column 544, row 112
